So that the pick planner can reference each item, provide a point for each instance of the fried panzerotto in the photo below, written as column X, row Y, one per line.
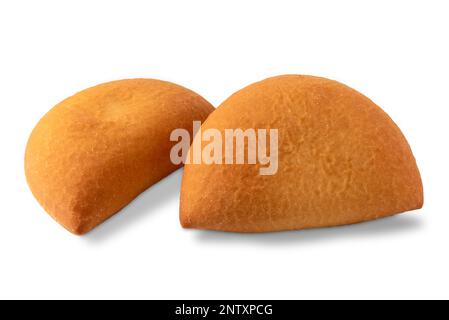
column 342, row 160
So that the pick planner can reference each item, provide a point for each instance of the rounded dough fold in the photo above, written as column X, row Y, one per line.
column 342, row 160
column 96, row 151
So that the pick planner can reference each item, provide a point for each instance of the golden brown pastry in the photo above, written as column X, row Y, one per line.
column 96, row 151
column 341, row 160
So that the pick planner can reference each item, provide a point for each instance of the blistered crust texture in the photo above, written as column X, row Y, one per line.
column 342, row 160
column 96, row 151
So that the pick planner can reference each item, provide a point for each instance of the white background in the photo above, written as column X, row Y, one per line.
column 395, row 52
